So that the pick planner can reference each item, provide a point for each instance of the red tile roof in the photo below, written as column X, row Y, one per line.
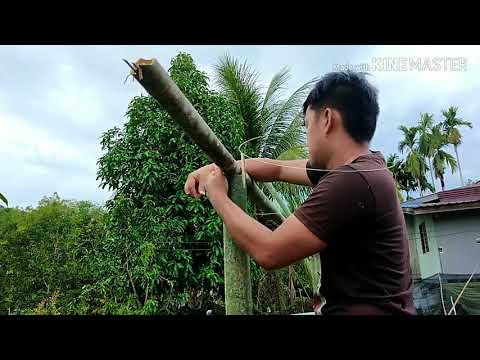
column 466, row 194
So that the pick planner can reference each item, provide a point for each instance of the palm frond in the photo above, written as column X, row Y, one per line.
column 4, row 199
column 239, row 82
column 274, row 89
column 278, row 199
column 292, row 137
column 409, row 137
column 451, row 161
column 283, row 115
column 465, row 123
column 416, row 164
column 451, row 120
column 438, row 166
column 294, row 153
column 313, row 268
column 426, row 121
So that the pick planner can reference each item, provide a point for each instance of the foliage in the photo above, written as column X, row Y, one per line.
column 415, row 162
column 451, row 123
column 272, row 121
column 441, row 158
column 163, row 251
column 46, row 255
column 155, row 250
column 404, row 180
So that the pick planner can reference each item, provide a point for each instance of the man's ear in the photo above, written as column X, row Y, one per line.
column 329, row 120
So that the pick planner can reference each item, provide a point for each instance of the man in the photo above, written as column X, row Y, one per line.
column 352, row 217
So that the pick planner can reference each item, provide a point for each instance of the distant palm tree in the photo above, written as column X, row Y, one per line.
column 426, row 145
column 414, row 162
column 404, row 180
column 440, row 157
column 454, row 137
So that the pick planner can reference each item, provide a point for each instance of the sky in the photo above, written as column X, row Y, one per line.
column 56, row 101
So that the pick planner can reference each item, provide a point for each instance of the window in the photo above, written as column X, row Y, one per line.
column 423, row 237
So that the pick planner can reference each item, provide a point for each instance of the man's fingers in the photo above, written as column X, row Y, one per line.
column 186, row 188
column 188, row 185
column 191, row 186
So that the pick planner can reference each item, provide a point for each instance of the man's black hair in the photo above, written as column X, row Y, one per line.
column 353, row 96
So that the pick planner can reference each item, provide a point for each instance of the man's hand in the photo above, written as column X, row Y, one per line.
column 195, row 184
column 216, row 182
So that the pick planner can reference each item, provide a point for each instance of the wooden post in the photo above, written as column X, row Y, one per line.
column 238, row 288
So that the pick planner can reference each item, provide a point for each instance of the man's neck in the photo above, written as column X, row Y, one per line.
column 347, row 155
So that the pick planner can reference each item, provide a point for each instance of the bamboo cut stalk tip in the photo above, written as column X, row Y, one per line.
column 136, row 67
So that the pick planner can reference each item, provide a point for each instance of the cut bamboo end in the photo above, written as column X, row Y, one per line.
column 136, row 67
column 144, row 62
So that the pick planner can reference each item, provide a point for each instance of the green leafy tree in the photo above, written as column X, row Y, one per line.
column 46, row 256
column 163, row 251
column 451, row 124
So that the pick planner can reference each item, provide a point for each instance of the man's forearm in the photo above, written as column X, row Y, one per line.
column 269, row 170
column 250, row 235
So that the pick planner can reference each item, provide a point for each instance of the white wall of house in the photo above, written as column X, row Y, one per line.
column 457, row 233
column 429, row 261
column 424, row 263
column 414, row 259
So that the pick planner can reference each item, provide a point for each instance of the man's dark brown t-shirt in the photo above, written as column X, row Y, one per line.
column 365, row 266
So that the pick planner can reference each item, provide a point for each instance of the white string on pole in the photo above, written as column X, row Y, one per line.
column 301, row 168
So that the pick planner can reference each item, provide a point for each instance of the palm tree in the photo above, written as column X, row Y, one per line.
column 450, row 126
column 274, row 123
column 414, row 162
column 426, row 144
column 440, row 157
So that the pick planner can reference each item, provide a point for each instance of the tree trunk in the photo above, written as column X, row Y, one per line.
column 442, row 182
column 151, row 75
column 238, row 289
column 431, row 174
column 459, row 166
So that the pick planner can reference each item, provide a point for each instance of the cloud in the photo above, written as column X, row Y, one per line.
column 56, row 101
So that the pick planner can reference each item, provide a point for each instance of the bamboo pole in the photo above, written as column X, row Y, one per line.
column 156, row 81
column 238, row 287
